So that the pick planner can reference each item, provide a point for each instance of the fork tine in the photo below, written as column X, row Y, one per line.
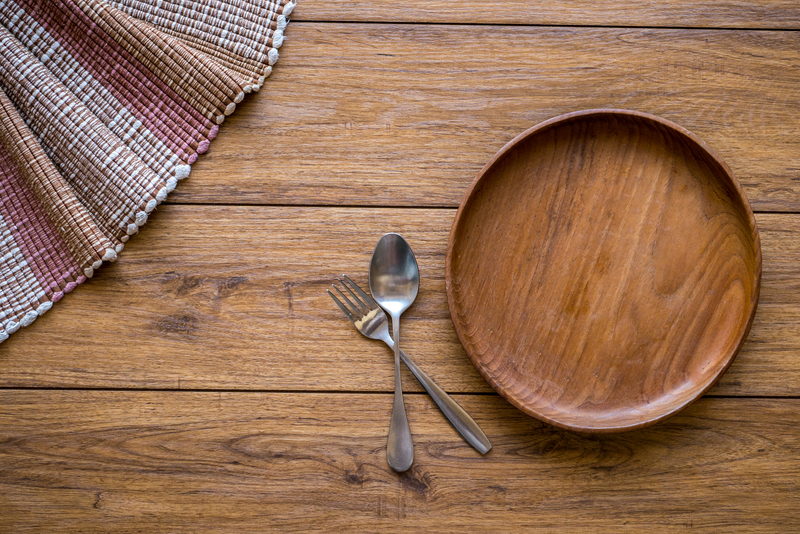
column 342, row 306
column 369, row 300
column 352, row 306
column 361, row 305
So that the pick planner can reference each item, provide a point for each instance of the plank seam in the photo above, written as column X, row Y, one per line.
column 573, row 26
column 368, row 206
column 325, row 392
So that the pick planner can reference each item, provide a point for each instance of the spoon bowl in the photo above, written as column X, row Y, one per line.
column 393, row 274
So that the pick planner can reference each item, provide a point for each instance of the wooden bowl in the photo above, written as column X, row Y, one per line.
column 603, row 270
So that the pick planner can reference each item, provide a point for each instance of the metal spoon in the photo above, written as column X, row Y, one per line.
column 394, row 283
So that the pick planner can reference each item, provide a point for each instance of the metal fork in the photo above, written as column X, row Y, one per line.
column 371, row 320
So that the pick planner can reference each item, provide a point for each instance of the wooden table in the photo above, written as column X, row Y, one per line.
column 206, row 382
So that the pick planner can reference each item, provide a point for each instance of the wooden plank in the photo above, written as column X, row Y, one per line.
column 83, row 461
column 406, row 115
column 234, row 298
column 672, row 13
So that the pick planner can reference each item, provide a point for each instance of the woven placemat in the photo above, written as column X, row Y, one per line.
column 104, row 106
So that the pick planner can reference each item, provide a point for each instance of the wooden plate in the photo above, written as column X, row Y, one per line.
column 603, row 271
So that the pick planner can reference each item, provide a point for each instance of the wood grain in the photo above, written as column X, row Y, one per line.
column 83, row 461
column 231, row 297
column 672, row 13
column 234, row 298
column 406, row 115
column 603, row 271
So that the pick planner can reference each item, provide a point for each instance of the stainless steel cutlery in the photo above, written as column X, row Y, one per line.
column 370, row 319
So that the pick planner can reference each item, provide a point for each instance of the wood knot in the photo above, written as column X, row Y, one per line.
column 181, row 323
column 417, row 480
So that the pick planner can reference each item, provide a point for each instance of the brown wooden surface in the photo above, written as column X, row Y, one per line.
column 670, row 13
column 177, row 310
column 603, row 271
column 255, row 462
column 406, row 115
column 286, row 427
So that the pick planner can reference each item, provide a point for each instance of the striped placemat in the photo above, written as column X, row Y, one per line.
column 104, row 106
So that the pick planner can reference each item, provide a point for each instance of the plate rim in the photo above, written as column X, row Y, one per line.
column 741, row 196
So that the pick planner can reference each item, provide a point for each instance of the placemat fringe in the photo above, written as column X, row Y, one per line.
column 104, row 107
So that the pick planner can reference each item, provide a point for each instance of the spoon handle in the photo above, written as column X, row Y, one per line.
column 458, row 417
column 400, row 448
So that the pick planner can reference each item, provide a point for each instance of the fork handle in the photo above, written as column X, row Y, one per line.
column 460, row 419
